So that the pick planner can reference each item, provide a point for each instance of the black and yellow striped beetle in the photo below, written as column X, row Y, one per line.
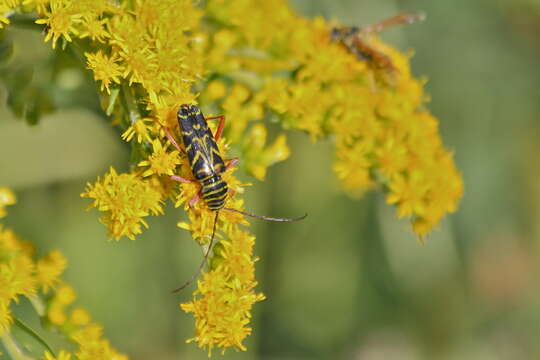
column 207, row 166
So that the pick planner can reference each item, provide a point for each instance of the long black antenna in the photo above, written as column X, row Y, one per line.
column 266, row 217
column 205, row 257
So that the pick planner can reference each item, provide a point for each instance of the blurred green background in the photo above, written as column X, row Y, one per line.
column 351, row 281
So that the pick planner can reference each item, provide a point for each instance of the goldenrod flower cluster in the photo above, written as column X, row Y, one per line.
column 76, row 324
column 251, row 61
column 225, row 296
column 125, row 199
column 39, row 281
column 384, row 136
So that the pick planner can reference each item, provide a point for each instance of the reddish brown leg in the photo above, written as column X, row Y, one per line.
column 195, row 197
column 220, row 126
column 172, row 140
column 194, row 200
column 181, row 179
column 231, row 163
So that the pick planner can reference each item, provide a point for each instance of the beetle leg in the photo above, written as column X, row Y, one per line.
column 195, row 197
column 220, row 126
column 172, row 140
column 194, row 200
column 231, row 163
column 181, row 179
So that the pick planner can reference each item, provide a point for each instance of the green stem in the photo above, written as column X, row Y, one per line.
column 131, row 108
column 131, row 104
column 38, row 305
column 13, row 349
column 33, row 334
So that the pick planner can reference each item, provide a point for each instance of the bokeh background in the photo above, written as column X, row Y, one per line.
column 351, row 281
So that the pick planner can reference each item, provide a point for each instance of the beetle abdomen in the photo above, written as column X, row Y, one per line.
column 214, row 191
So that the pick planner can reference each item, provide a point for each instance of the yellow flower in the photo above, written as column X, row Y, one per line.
column 65, row 295
column 140, row 128
column 21, row 276
column 17, row 277
column 60, row 21
column 126, row 199
column 353, row 167
column 156, row 51
column 105, row 69
column 40, row 5
column 56, row 314
column 11, row 3
column 17, row 274
column 200, row 225
column 276, row 95
column 161, row 162
column 258, row 157
column 3, row 19
column 80, row 316
column 215, row 90
column 7, row 197
column 11, row 245
column 392, row 157
column 78, row 327
column 240, row 108
column 409, row 194
column 49, row 268
column 94, row 28
column 224, row 298
column 128, row 43
column 63, row 355
column 5, row 317
column 92, row 346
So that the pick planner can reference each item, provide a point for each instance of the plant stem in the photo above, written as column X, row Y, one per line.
column 13, row 349
column 38, row 305
column 131, row 105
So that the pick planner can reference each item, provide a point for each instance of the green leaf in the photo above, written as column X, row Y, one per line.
column 33, row 334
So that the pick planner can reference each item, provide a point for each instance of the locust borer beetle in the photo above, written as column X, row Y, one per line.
column 207, row 166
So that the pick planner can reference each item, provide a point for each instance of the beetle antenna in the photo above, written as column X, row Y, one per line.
column 204, row 260
column 266, row 217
